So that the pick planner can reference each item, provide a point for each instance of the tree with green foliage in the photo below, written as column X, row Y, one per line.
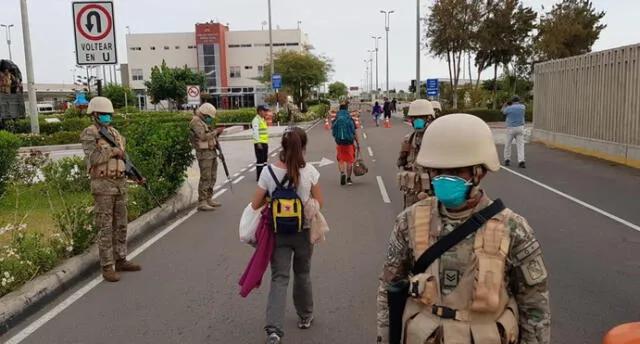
column 450, row 27
column 338, row 89
column 569, row 29
column 301, row 72
column 117, row 94
column 171, row 83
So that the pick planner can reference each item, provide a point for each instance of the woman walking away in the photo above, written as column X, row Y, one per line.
column 293, row 177
column 377, row 111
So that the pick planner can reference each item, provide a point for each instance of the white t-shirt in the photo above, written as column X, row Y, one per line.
column 308, row 177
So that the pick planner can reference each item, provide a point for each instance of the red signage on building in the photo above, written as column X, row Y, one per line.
column 208, row 33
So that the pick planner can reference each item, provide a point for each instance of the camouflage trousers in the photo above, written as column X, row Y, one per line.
column 208, row 177
column 110, row 217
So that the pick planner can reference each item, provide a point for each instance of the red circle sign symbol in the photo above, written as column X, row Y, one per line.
column 193, row 91
column 81, row 28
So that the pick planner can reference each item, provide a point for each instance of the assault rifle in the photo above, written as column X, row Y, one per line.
column 224, row 164
column 129, row 169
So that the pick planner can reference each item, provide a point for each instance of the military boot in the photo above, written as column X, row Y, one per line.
column 125, row 265
column 204, row 206
column 213, row 203
column 109, row 274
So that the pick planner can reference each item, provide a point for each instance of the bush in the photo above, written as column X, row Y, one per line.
column 235, row 116
column 320, row 109
column 129, row 109
column 25, row 171
column 75, row 223
column 9, row 145
column 20, row 126
column 67, row 174
column 162, row 153
column 75, row 124
column 74, row 112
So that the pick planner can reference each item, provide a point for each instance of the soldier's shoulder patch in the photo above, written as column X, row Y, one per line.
column 534, row 270
column 525, row 251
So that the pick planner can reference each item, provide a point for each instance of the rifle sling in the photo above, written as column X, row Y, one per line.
column 472, row 224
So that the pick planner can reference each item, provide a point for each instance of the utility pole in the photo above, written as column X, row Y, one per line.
column 8, row 27
column 376, row 39
column 386, row 26
column 371, row 69
column 418, row 49
column 271, row 43
column 31, row 85
column 366, row 75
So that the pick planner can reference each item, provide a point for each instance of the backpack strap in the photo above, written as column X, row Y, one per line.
column 279, row 184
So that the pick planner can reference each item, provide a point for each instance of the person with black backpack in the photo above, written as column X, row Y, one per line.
column 344, row 133
column 289, row 183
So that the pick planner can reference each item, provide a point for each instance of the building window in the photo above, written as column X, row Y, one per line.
column 257, row 45
column 248, row 67
column 135, row 48
column 192, row 47
column 292, row 44
column 235, row 72
column 234, row 45
column 153, row 48
column 278, row 44
column 137, row 75
column 177, row 47
column 166, row 47
column 246, row 45
column 260, row 69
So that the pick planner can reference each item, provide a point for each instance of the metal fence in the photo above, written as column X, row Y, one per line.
column 594, row 96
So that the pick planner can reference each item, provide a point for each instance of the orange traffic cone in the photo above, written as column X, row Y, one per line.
column 326, row 123
column 387, row 124
column 624, row 334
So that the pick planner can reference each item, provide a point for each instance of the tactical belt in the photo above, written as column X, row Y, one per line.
column 449, row 313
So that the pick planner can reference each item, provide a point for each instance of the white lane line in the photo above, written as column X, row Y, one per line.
column 238, row 180
column 34, row 326
column 575, row 200
column 219, row 193
column 383, row 190
column 235, row 175
column 243, row 170
column 252, row 169
column 274, row 154
column 364, row 135
column 370, row 151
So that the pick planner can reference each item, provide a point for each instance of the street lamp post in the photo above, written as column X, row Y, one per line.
column 31, row 85
column 371, row 68
column 376, row 39
column 8, row 27
column 418, row 49
column 366, row 75
column 386, row 27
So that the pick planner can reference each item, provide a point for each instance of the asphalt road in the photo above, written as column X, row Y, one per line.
column 188, row 292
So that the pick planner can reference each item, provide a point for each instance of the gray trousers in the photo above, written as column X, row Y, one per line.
column 302, row 250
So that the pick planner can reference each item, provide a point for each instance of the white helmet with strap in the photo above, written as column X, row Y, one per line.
column 458, row 140
column 207, row 109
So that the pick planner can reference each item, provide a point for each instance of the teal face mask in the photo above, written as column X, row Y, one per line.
column 208, row 119
column 104, row 118
column 419, row 123
column 451, row 191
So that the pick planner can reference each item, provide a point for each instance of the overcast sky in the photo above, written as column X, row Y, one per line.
column 339, row 29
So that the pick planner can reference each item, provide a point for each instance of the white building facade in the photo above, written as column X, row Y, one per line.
column 231, row 60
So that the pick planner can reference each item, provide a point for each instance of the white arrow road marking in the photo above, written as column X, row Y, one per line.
column 370, row 151
column 323, row 162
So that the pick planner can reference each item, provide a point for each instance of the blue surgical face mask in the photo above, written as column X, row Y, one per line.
column 419, row 123
column 208, row 119
column 451, row 191
column 104, row 118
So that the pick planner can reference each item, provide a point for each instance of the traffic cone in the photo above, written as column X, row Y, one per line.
column 387, row 124
column 326, row 123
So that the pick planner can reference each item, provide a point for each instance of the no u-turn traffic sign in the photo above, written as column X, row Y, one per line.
column 94, row 27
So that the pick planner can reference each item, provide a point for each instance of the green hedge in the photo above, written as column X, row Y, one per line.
column 9, row 145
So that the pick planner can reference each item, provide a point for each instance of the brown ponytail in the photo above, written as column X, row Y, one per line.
column 294, row 142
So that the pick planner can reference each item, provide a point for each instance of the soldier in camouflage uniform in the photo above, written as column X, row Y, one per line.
column 106, row 169
column 437, row 108
column 413, row 180
column 494, row 281
column 203, row 140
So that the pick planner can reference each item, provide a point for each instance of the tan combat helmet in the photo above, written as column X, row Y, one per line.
column 420, row 107
column 207, row 109
column 458, row 140
column 100, row 105
column 436, row 105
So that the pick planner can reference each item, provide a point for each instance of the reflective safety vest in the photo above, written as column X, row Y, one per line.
column 479, row 309
column 263, row 131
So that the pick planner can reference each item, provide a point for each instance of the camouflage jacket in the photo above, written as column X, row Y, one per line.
column 525, row 275
column 409, row 152
column 201, row 132
column 94, row 155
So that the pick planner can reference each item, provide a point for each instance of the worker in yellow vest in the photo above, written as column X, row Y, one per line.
column 261, row 138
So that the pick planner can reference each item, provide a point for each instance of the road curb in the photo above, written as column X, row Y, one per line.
column 20, row 304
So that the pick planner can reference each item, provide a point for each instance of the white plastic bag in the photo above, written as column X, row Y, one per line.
column 249, row 224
